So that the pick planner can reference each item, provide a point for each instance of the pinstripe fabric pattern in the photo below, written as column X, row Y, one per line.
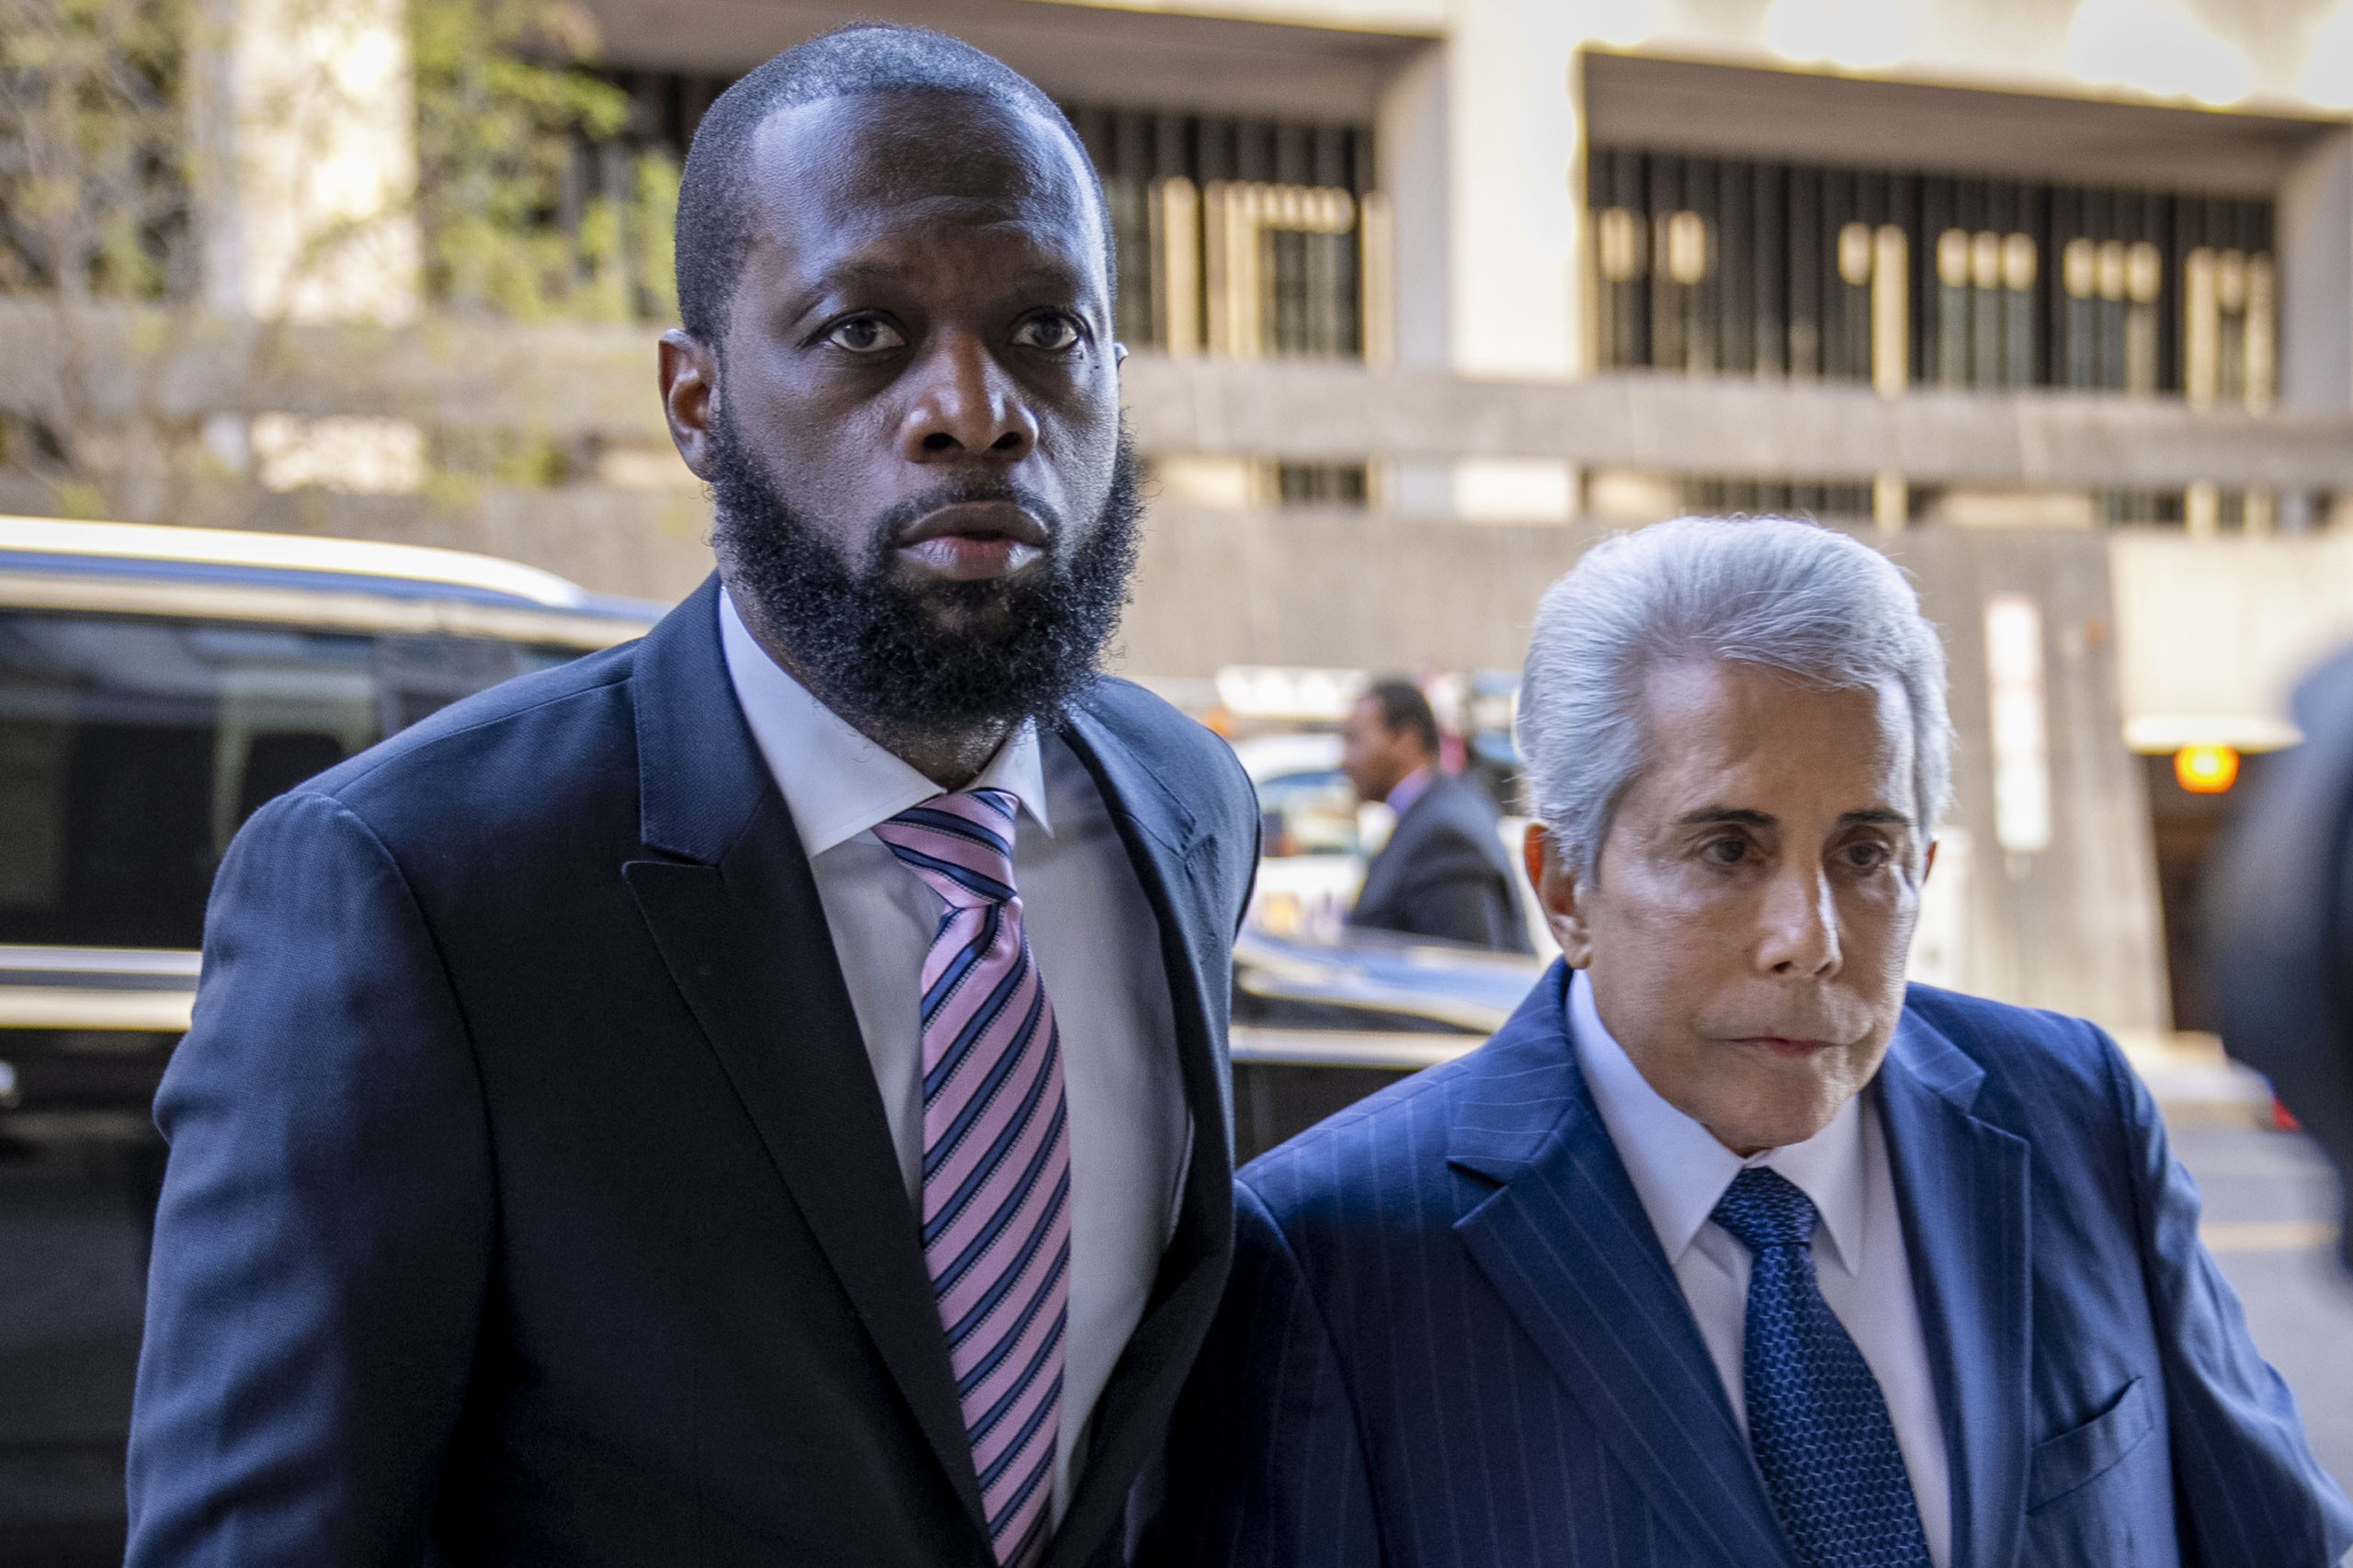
column 1451, row 1338
column 995, row 1158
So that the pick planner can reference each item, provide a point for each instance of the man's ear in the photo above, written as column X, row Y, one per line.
column 1558, row 889
column 689, row 397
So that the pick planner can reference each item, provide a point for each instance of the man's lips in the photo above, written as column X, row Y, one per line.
column 1785, row 1045
column 974, row 540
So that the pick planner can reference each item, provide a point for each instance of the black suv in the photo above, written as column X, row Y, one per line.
column 156, row 686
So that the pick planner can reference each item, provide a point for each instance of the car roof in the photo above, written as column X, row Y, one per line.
column 136, row 568
column 1271, row 756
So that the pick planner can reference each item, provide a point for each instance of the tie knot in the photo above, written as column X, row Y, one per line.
column 1764, row 1209
column 962, row 843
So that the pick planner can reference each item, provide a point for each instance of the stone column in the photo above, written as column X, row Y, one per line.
column 305, row 126
column 1515, row 132
column 1412, row 155
column 306, row 122
column 2315, row 252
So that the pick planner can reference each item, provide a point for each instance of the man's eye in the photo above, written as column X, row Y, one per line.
column 1726, row 851
column 866, row 334
column 1867, row 857
column 1051, row 332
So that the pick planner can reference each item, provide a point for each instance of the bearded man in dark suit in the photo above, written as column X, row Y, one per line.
column 756, row 1096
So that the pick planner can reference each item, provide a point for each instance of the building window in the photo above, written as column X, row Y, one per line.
column 1724, row 267
column 1240, row 237
column 1234, row 236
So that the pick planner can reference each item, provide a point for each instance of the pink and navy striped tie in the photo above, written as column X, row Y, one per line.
column 995, row 1158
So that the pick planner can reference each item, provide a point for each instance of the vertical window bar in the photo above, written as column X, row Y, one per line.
column 1768, row 219
column 1891, row 306
column 2019, row 269
column 1805, row 273
column 1666, row 290
column 1985, row 310
column 1735, row 293
column 1952, row 308
column 1693, row 241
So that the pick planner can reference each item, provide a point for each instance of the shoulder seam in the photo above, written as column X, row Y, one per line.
column 440, row 959
column 622, row 674
column 424, row 922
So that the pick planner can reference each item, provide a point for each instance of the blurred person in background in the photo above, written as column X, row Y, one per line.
column 756, row 1096
column 1444, row 872
column 1731, row 1249
column 2283, row 929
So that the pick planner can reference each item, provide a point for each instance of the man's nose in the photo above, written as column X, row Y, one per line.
column 965, row 405
column 1801, row 920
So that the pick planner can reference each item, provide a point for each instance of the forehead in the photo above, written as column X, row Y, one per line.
column 882, row 169
column 1713, row 726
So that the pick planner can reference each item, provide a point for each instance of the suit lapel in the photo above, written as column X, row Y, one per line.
column 1564, row 1241
column 737, row 920
column 1960, row 1186
column 1168, row 853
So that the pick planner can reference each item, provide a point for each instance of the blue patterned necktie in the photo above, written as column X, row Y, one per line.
column 1816, row 1419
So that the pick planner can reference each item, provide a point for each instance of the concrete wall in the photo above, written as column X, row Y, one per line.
column 2315, row 243
column 2214, row 634
column 638, row 543
column 2075, row 927
column 1359, row 590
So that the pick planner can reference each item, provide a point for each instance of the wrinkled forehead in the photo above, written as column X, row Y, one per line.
column 919, row 166
column 1705, row 720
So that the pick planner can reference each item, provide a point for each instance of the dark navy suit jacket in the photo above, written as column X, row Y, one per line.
column 1444, row 873
column 1451, row 1337
column 530, row 1199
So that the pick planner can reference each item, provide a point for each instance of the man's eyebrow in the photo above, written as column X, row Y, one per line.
column 1711, row 816
column 1707, row 816
column 855, row 270
column 872, row 271
column 849, row 273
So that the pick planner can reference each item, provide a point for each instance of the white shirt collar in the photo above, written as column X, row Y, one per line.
column 1681, row 1171
column 837, row 781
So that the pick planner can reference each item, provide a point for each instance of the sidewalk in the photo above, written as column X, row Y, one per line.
column 2194, row 1083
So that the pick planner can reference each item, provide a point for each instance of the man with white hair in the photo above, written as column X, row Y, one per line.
column 1730, row 1248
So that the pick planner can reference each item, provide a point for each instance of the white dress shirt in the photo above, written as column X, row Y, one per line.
column 1681, row 1171
column 1096, row 945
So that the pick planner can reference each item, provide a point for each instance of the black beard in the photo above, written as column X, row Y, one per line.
column 943, row 658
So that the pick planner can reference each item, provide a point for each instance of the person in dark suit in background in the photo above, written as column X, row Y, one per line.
column 756, row 1096
column 1730, row 1250
column 2283, row 924
column 1443, row 872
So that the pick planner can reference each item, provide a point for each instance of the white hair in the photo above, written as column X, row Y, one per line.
column 1805, row 600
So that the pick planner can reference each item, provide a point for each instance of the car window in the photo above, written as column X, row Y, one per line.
column 1308, row 813
column 133, row 749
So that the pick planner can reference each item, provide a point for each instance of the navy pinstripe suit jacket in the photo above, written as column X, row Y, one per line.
column 1451, row 1337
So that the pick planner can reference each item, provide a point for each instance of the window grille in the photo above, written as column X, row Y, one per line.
column 1242, row 237
column 1727, row 266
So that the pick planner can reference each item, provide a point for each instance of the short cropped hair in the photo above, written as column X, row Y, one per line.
column 1805, row 600
column 1402, row 705
column 714, row 225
